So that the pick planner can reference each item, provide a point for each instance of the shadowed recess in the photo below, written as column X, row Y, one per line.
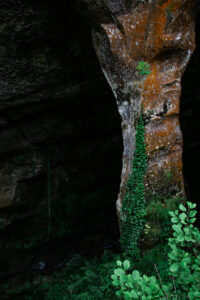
column 190, row 122
column 61, row 142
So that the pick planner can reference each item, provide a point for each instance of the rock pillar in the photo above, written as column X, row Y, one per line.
column 162, row 34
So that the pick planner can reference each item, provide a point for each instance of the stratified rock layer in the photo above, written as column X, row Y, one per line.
column 162, row 34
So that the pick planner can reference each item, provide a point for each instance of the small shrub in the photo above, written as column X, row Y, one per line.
column 183, row 265
column 143, row 68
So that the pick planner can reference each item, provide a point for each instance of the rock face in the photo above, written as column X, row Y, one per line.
column 162, row 34
column 60, row 131
column 60, row 134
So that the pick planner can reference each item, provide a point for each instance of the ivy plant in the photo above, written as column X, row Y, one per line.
column 183, row 265
column 133, row 204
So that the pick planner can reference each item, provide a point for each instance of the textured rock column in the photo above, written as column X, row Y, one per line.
column 162, row 34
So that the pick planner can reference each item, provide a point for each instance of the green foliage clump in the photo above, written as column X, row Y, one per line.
column 183, row 265
column 133, row 204
column 158, row 224
column 143, row 68
column 85, row 280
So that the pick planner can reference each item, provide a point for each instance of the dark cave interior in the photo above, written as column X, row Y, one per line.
column 190, row 122
column 69, row 148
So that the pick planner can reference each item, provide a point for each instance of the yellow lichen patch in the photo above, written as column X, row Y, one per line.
column 160, row 36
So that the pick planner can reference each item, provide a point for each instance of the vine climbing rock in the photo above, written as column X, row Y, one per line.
column 160, row 34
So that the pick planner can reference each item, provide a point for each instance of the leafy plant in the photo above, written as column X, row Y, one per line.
column 183, row 265
column 158, row 219
column 133, row 204
column 143, row 68
column 85, row 280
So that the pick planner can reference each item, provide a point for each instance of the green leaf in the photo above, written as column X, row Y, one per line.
column 119, row 272
column 134, row 294
column 177, row 228
column 119, row 263
column 136, row 275
column 182, row 207
column 114, row 277
column 171, row 213
column 191, row 205
column 187, row 230
column 192, row 220
column 174, row 267
column 152, row 280
column 126, row 264
column 129, row 285
column 148, row 290
column 116, row 282
column 182, row 217
column 174, row 220
column 192, row 213
column 127, row 295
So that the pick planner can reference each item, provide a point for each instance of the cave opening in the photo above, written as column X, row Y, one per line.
column 63, row 132
column 190, row 122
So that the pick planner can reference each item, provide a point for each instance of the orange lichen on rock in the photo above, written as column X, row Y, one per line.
column 134, row 28
column 163, row 135
column 160, row 33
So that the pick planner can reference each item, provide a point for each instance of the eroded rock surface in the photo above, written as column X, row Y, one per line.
column 162, row 34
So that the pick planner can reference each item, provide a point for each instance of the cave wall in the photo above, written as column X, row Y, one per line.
column 162, row 34
column 190, row 121
column 60, row 134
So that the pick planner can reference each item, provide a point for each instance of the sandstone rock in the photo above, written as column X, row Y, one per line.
column 162, row 34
